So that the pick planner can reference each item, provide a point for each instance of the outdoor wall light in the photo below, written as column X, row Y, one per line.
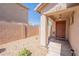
column 60, row 18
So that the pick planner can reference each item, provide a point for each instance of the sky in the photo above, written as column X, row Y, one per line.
column 33, row 16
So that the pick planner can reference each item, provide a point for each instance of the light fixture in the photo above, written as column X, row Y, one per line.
column 60, row 17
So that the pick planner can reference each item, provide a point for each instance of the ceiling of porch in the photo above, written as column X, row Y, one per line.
column 63, row 16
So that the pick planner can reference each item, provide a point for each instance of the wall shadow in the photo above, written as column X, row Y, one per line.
column 2, row 50
column 65, row 46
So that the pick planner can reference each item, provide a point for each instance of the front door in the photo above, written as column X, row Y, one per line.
column 60, row 29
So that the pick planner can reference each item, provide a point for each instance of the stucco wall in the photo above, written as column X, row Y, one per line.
column 74, row 32
column 43, row 31
column 12, row 12
column 51, row 27
column 67, row 29
column 11, row 32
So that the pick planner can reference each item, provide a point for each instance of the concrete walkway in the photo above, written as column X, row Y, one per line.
column 58, row 48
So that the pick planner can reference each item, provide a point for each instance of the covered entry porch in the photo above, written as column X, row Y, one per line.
column 58, row 34
column 60, row 21
column 55, row 25
column 55, row 30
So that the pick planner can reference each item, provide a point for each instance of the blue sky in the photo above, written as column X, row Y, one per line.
column 33, row 16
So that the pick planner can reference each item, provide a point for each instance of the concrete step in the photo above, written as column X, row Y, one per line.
column 58, row 49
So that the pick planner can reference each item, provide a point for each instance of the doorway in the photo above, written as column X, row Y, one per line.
column 60, row 29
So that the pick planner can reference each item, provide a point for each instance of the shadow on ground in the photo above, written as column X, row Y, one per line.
column 65, row 46
column 2, row 50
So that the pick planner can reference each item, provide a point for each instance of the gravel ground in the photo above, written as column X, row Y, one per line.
column 31, row 43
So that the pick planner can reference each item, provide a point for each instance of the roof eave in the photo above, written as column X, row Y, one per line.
column 40, row 6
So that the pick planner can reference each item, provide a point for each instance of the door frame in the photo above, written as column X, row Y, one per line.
column 56, row 27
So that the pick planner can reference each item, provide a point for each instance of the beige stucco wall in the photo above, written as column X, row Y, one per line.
column 43, row 31
column 12, row 12
column 74, row 32
column 11, row 32
column 51, row 27
column 67, row 29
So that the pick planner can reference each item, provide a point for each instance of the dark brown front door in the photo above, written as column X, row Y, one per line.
column 60, row 29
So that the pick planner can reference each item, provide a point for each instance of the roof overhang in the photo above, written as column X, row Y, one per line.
column 63, row 11
column 64, row 14
column 40, row 7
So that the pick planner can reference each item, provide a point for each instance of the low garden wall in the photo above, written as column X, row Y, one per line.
column 15, row 31
column 32, row 31
column 11, row 32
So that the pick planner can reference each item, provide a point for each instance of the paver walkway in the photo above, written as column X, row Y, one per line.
column 31, row 43
column 58, row 48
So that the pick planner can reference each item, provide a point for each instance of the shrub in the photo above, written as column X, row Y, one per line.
column 24, row 52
